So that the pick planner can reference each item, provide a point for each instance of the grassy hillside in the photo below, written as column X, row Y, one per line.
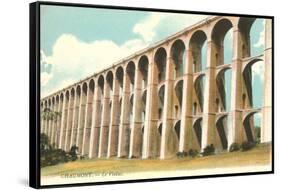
column 260, row 155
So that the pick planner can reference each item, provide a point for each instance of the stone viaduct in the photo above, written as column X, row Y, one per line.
column 151, row 104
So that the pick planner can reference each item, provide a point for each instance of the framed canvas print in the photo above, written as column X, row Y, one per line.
column 127, row 94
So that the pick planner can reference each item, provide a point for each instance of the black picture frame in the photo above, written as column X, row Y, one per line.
column 34, row 93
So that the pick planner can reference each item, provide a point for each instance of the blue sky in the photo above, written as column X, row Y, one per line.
column 87, row 24
column 76, row 42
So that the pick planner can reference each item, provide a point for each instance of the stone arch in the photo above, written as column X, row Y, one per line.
column 92, row 86
column 100, row 89
column 218, row 34
column 197, row 127
column 244, row 26
column 143, row 97
column 223, row 81
column 161, row 94
column 160, row 128
column 199, row 86
column 251, row 63
column 49, row 102
column 53, row 101
column 247, row 76
column 221, row 127
column 78, row 90
column 177, row 129
column 72, row 92
column 100, row 93
column 197, row 41
column 248, row 124
column 179, row 94
column 61, row 96
column 67, row 94
column 101, row 82
column 131, row 107
column 109, row 79
column 143, row 67
column 177, row 54
column 84, row 89
column 160, row 58
column 57, row 98
column 130, row 71
column 119, row 75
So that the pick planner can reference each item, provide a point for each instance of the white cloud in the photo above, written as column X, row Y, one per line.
column 73, row 59
column 149, row 27
column 146, row 28
column 45, row 78
column 260, row 42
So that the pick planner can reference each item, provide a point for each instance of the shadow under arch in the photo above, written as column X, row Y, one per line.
column 197, row 127
column 244, row 26
column 221, row 86
column 160, row 59
column 177, row 52
column 221, row 126
column 179, row 93
column 248, row 125
column 218, row 34
column 199, row 91
column 177, row 129
column 197, row 40
column 247, row 75
column 143, row 68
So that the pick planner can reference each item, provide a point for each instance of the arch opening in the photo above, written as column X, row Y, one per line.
column 199, row 87
column 161, row 94
column 252, row 127
column 177, row 129
column 251, row 30
column 222, row 130
column 253, row 75
column 222, row 38
column 160, row 59
column 143, row 67
column 223, row 99
column 198, row 48
column 178, row 56
column 178, row 103
column 197, row 126
column 119, row 76
column 130, row 71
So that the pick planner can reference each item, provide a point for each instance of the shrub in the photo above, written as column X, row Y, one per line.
column 234, row 147
column 209, row 150
column 52, row 156
column 193, row 153
column 73, row 153
column 181, row 154
column 247, row 145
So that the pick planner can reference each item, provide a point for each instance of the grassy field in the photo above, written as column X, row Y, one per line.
column 260, row 155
